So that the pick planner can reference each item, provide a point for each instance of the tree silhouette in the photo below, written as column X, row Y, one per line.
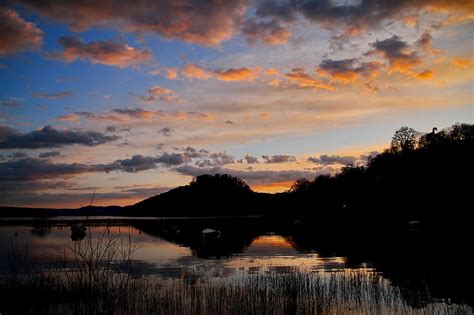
column 299, row 185
column 220, row 182
column 404, row 139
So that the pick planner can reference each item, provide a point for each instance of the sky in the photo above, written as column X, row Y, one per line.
column 133, row 98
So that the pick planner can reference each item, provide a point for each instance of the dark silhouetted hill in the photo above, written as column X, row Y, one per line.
column 206, row 195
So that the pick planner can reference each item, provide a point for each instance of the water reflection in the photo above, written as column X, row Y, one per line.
column 177, row 249
column 170, row 254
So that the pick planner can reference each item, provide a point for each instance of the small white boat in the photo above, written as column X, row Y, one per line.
column 210, row 233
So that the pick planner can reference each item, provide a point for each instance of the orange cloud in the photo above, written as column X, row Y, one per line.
column 424, row 75
column 272, row 71
column 240, row 74
column 171, row 73
column 347, row 70
column 192, row 71
column 275, row 83
column 157, row 90
column 68, row 118
column 344, row 76
column 158, row 93
column 459, row 62
column 103, row 52
column 202, row 22
column 16, row 34
column 301, row 79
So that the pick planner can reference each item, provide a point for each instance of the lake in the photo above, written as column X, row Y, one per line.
column 233, row 250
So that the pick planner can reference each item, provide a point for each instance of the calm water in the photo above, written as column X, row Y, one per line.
column 164, row 258
column 174, row 249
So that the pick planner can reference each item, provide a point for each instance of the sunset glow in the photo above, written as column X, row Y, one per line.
column 133, row 98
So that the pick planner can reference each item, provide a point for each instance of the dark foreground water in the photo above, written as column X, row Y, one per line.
column 405, row 274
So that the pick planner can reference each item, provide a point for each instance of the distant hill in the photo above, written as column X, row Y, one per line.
column 206, row 195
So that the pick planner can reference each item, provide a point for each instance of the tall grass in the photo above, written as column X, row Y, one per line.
column 100, row 279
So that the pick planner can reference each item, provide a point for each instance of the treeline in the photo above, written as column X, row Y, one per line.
column 421, row 177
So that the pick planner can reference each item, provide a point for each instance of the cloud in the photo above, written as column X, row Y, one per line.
column 352, row 18
column 191, row 71
column 425, row 42
column 202, row 158
column 170, row 159
column 17, row 188
column 97, row 117
column 298, row 77
column 424, row 75
column 135, row 164
column 16, row 34
column 348, row 70
column 49, row 137
column 401, row 57
column 90, row 116
column 249, row 159
column 142, row 114
column 157, row 90
column 53, row 96
column 215, row 159
column 272, row 71
column 239, row 74
column 275, row 83
column 278, row 158
column 39, row 169
column 333, row 159
column 138, row 113
column 72, row 118
column 17, row 155
column 102, row 52
column 271, row 32
column 48, row 154
column 23, row 168
column 165, row 131
column 6, row 131
column 171, row 73
column 11, row 102
column 158, row 93
column 205, row 22
column 460, row 62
